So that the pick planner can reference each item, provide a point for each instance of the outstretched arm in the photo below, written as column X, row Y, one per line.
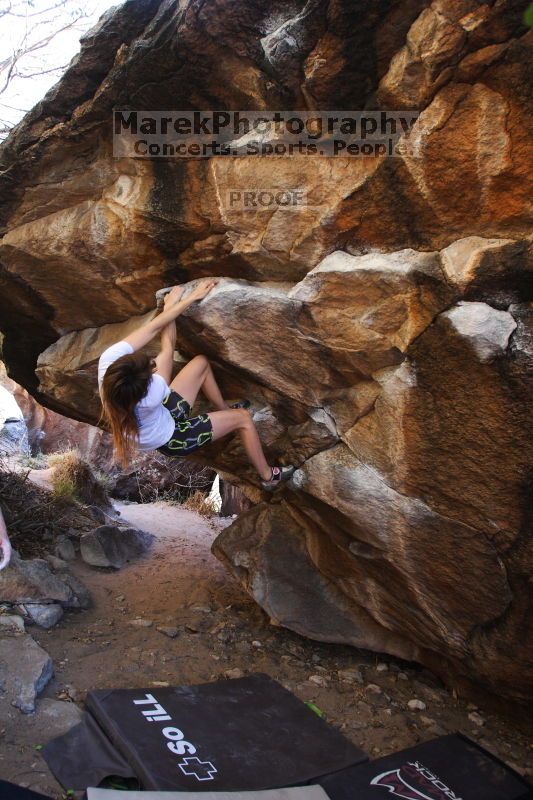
column 165, row 359
column 174, row 306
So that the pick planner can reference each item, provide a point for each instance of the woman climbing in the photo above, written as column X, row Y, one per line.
column 145, row 410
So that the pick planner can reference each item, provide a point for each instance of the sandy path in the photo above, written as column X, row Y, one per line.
column 180, row 584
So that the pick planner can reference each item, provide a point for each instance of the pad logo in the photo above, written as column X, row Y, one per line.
column 202, row 770
column 397, row 786
column 175, row 740
column 413, row 781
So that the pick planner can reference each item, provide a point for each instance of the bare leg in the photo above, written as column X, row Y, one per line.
column 196, row 375
column 239, row 419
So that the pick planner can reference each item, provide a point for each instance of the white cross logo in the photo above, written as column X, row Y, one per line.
column 202, row 770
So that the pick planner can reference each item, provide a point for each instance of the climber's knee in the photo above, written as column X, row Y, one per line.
column 245, row 419
column 201, row 362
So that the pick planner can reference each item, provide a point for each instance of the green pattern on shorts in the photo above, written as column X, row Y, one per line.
column 190, row 433
column 177, row 405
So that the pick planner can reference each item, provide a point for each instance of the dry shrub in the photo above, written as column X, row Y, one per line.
column 200, row 503
column 34, row 516
column 73, row 479
column 154, row 477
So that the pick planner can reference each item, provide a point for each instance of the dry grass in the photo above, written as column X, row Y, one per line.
column 73, row 478
column 200, row 503
column 34, row 516
column 153, row 477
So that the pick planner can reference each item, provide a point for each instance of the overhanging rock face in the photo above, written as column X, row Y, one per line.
column 384, row 332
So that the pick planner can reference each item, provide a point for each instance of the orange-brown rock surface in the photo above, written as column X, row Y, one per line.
column 384, row 332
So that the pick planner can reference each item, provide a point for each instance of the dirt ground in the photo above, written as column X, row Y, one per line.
column 220, row 632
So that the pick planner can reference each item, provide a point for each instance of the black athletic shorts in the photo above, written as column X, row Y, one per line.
column 190, row 433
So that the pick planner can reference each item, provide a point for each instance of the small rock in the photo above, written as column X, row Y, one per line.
column 318, row 680
column 416, row 705
column 80, row 594
column 120, row 598
column 11, row 621
column 403, row 676
column 25, row 669
column 57, row 564
column 430, row 694
column 476, row 718
column 378, row 698
column 197, row 623
column 350, row 675
column 60, row 715
column 234, row 673
column 110, row 546
column 45, row 616
column 426, row 720
column 168, row 630
column 256, row 643
column 71, row 693
column 141, row 623
column 382, row 667
column 437, row 730
column 65, row 549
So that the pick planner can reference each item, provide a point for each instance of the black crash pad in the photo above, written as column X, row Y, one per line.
column 448, row 768
column 238, row 735
column 9, row 791
column 84, row 757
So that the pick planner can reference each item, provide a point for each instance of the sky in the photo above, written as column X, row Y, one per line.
column 33, row 23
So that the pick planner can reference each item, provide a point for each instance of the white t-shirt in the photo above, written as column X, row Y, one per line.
column 156, row 424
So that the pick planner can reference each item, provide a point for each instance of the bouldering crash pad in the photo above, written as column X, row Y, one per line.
column 246, row 734
column 448, row 768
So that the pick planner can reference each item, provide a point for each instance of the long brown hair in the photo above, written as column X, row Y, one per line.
column 125, row 382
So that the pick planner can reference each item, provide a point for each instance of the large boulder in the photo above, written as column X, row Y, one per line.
column 383, row 331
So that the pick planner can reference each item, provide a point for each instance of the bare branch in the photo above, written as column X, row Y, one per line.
column 30, row 39
column 42, row 72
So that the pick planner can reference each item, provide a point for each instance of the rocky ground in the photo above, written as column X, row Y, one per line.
column 175, row 616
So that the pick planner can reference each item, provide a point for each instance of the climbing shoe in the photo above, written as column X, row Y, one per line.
column 279, row 474
column 241, row 404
